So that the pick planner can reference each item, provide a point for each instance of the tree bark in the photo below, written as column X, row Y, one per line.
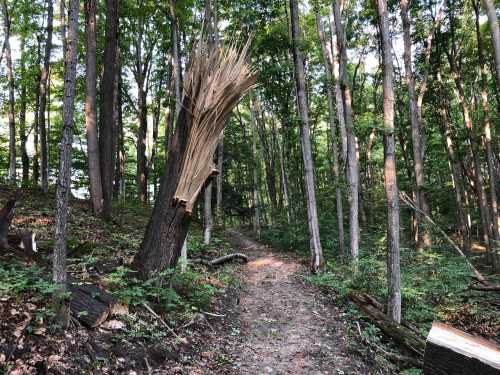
column 64, row 178
column 255, row 168
column 391, row 184
column 352, row 158
column 491, row 12
column 11, row 86
column 333, row 132
column 43, row 98
column 207, row 214
column 317, row 261
column 91, row 109
column 25, row 161
column 423, row 239
column 107, row 137
column 495, row 219
column 176, row 57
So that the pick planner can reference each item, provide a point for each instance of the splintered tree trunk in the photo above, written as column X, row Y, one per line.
column 317, row 261
column 352, row 158
column 10, row 81
column 491, row 12
column 90, row 108
column 43, row 98
column 168, row 226
column 331, row 118
column 391, row 184
column 207, row 214
column 107, row 137
column 495, row 219
column 64, row 178
column 423, row 240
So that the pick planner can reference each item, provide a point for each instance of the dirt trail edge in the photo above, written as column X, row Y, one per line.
column 281, row 325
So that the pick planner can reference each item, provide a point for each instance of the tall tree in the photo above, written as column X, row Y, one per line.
column 390, row 176
column 91, row 108
column 43, row 98
column 25, row 161
column 317, row 261
column 11, row 85
column 64, row 178
column 107, row 136
column 352, row 171
column 491, row 12
column 327, row 61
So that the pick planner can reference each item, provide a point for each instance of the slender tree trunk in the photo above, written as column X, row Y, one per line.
column 424, row 239
column 107, row 127
column 478, row 179
column 455, row 166
column 176, row 57
column 43, row 98
column 255, row 177
column 207, row 214
column 352, row 158
column 64, row 178
column 391, row 184
column 331, row 118
column 91, row 108
column 495, row 220
column 491, row 12
column 369, row 174
column 219, row 180
column 120, row 149
column 12, row 103
column 317, row 261
column 22, row 118
column 142, row 173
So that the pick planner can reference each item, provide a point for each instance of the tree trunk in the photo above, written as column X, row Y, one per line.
column 142, row 173
column 207, row 214
column 491, row 12
column 22, row 119
column 64, row 178
column 12, row 103
column 255, row 177
column 176, row 57
column 317, row 261
column 391, row 183
column 107, row 137
column 423, row 240
column 331, row 118
column 90, row 108
column 219, row 180
column 352, row 158
column 43, row 98
column 495, row 219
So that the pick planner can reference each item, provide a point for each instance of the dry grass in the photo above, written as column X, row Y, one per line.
column 217, row 79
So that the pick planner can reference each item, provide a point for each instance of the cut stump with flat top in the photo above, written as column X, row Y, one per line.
column 450, row 351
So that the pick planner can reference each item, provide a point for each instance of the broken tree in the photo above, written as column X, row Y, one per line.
column 216, row 80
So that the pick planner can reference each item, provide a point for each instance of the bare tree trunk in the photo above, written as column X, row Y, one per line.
column 491, row 12
column 107, row 137
column 22, row 118
column 478, row 179
column 219, row 180
column 331, row 117
column 317, row 261
column 64, row 178
column 207, row 214
column 495, row 220
column 424, row 239
column 255, row 166
column 352, row 158
column 176, row 57
column 12, row 103
column 43, row 98
column 91, row 109
column 120, row 147
column 391, row 184
column 455, row 166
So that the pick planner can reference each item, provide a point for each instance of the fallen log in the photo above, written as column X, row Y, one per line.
column 90, row 304
column 225, row 259
column 406, row 337
column 450, row 351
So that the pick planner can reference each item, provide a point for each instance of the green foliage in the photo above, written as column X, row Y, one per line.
column 16, row 278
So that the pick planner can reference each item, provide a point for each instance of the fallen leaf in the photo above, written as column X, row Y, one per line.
column 113, row 324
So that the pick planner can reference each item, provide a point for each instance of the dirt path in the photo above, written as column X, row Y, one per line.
column 281, row 325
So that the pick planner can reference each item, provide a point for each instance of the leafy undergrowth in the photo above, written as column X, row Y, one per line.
column 134, row 339
column 435, row 287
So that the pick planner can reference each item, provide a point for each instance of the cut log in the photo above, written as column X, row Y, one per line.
column 225, row 259
column 90, row 304
column 402, row 335
column 450, row 351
